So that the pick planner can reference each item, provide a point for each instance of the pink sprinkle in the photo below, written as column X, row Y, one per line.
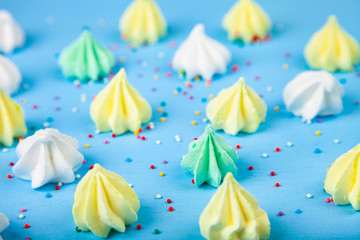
column 170, row 64
column 93, row 97
column 128, row 47
column 184, row 92
column 287, row 54
column 56, row 97
column 358, row 74
column 165, row 162
column 156, row 69
column 140, row 75
column 235, row 68
column 172, row 44
column 35, row 106
column 115, row 47
column 257, row 77
column 191, row 97
column 28, row 238
column 111, row 75
column 106, row 141
column 22, row 209
column 248, row 63
column 190, row 85
column 319, row 120
column 57, row 108
column 138, row 136
column 327, row 200
column 280, row 213
column 260, row 95
column 78, row 85
column 153, row 89
column 84, row 161
column 357, row 102
column 168, row 74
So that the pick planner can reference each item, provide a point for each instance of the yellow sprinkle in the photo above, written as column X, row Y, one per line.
column 122, row 59
column 162, row 174
column 187, row 83
column 276, row 108
column 285, row 66
column 193, row 123
column 211, row 96
column 87, row 145
column 176, row 92
column 163, row 119
column 159, row 109
column 197, row 113
column 197, row 78
column 181, row 72
column 208, row 84
column 328, row 169
column 156, row 77
column 332, row 164
column 318, row 133
column 136, row 132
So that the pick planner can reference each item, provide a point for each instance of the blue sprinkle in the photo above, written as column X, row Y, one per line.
column 203, row 100
column 48, row 195
column 343, row 80
column 49, row 119
column 317, row 150
column 128, row 159
column 179, row 89
column 85, row 28
column 298, row 211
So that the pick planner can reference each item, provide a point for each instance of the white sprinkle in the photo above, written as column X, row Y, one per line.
column 21, row 216
column 177, row 138
column 336, row 141
column 205, row 120
column 161, row 55
column 158, row 142
column 5, row 150
column 60, row 184
column 78, row 176
column 97, row 131
column 308, row 195
column 74, row 110
column 77, row 82
column 46, row 124
column 158, row 196
column 83, row 98
column 289, row 144
column 152, row 125
column 264, row 155
column 269, row 89
column 130, row 185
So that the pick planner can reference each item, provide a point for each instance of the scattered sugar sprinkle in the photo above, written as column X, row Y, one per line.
column 177, row 138
column 21, row 216
column 264, row 155
column 289, row 144
column 5, row 150
column 158, row 196
column 336, row 141
column 78, row 176
column 309, row 196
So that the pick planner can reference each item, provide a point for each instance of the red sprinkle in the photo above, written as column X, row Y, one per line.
column 193, row 181
column 140, row 130
column 26, row 226
column 138, row 227
column 152, row 167
column 272, row 173
column 90, row 135
column 277, row 184
column 168, row 201
column 251, row 167
column 143, row 138
column 9, row 176
column 195, row 138
column 57, row 188
column 235, row 68
column 11, row 164
column 277, row 149
column 148, row 127
column 238, row 146
column 171, row 209
column 113, row 135
column 91, row 166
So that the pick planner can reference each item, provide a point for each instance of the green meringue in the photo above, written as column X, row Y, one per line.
column 86, row 59
column 209, row 158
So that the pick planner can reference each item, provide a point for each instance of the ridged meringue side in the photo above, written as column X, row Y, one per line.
column 11, row 34
column 209, row 158
column 313, row 93
column 332, row 48
column 247, row 21
column 119, row 107
column 343, row 179
column 143, row 22
column 86, row 59
column 104, row 201
column 12, row 124
column 237, row 109
column 48, row 156
column 10, row 76
column 200, row 55
column 4, row 223
column 233, row 213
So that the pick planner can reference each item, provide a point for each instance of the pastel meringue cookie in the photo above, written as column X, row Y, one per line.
column 12, row 124
column 104, row 201
column 233, row 213
column 247, row 21
column 48, row 156
column 209, row 158
column 4, row 223
column 11, row 34
column 143, row 23
column 237, row 109
column 313, row 93
column 86, row 59
column 10, row 76
column 332, row 48
column 343, row 179
column 119, row 107
column 200, row 55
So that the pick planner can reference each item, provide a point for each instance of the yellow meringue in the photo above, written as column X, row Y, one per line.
column 332, row 48
column 247, row 21
column 104, row 201
column 233, row 213
column 237, row 109
column 143, row 22
column 12, row 123
column 119, row 107
column 343, row 179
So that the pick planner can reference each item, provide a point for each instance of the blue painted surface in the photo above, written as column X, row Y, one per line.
column 298, row 170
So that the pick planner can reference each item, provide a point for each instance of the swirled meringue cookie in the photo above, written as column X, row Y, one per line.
column 332, row 48
column 119, row 107
column 237, row 109
column 4, row 223
column 10, row 76
column 200, row 55
column 143, row 23
column 11, row 34
column 247, row 21
column 12, row 124
column 209, row 158
column 313, row 93
column 48, row 156
column 233, row 213
column 343, row 179
column 104, row 201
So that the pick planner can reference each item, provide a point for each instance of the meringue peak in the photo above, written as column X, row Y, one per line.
column 10, row 76
column 11, row 34
column 119, row 107
column 209, row 158
column 233, row 213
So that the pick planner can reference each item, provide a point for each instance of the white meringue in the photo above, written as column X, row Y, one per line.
column 48, row 157
column 10, row 76
column 11, row 34
column 314, row 93
column 4, row 223
column 200, row 55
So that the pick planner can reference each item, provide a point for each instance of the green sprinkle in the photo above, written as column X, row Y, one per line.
column 156, row 231
column 78, row 229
